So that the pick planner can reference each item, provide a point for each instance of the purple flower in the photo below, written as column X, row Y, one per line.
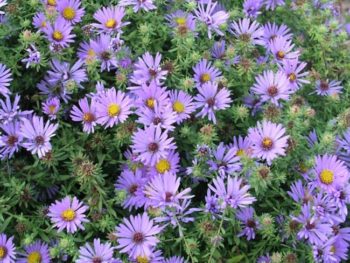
column 34, row 56
column 70, row 10
column 248, row 223
column 272, row 4
column 182, row 104
column 234, row 194
column 213, row 18
column 219, row 50
column 204, row 72
column 333, row 251
column 312, row 138
column 248, row 31
column 102, row 253
column 292, row 68
column 328, row 88
column 68, row 214
column 163, row 191
column 242, row 145
column 36, row 252
column 136, row 235
column 212, row 204
column 268, row 140
column 104, row 52
column 150, row 97
column 210, row 99
column 170, row 164
column 10, row 140
column 113, row 107
column 252, row 8
column 51, row 107
column 145, row 5
column 301, row 194
column 40, row 21
column 53, row 89
column 272, row 30
column 174, row 259
column 5, row 79
column 163, row 117
column 86, row 114
column 272, row 87
column 182, row 22
column 7, row 249
column 281, row 48
column 2, row 4
column 151, row 144
column 86, row 52
column 10, row 112
column 60, row 33
column 37, row 135
column 110, row 19
column 225, row 160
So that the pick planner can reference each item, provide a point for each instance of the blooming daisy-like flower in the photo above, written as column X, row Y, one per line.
column 50, row 107
column 133, row 183
column 218, row 50
column 328, row 88
column 98, row 253
column 330, row 172
column 7, row 249
column 53, row 89
column 37, row 135
column 272, row 30
column 60, row 32
column 10, row 140
column 300, row 193
column 86, row 52
column 248, row 223
column 104, row 52
column 204, row 72
column 146, row 5
column 182, row 104
column 292, row 68
column 252, row 8
column 174, row 259
column 234, row 194
column 70, row 10
column 210, row 99
column 154, row 257
column 40, row 21
column 11, row 111
column 34, row 56
column 272, row 4
column 68, row 214
column 281, row 48
column 50, row 3
column 113, row 107
column 110, row 19
column 248, row 31
column 182, row 22
column 137, row 236
column 86, row 114
column 36, row 252
column 151, row 144
column 243, row 146
column 170, row 164
column 225, row 160
column 150, row 97
column 268, row 140
column 164, row 117
column 272, row 87
column 162, row 191
column 5, row 79
column 208, row 13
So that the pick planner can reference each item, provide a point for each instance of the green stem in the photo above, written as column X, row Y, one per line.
column 182, row 236
column 217, row 233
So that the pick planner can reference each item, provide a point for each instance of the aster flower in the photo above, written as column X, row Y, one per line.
column 68, row 214
column 37, row 135
column 5, row 79
column 163, row 117
column 151, row 144
column 51, row 107
column 133, row 183
column 86, row 52
column 54, row 89
column 36, row 252
column 170, row 164
column 210, row 99
column 248, row 223
column 292, row 68
column 242, row 145
column 110, row 19
column 208, row 13
column 328, row 88
column 281, row 48
column 300, row 193
column 248, row 31
column 182, row 22
column 272, row 87
column 312, row 229
column 85, row 113
column 182, row 105
column 7, row 249
column 104, row 52
column 204, row 72
column 10, row 140
column 334, row 250
column 213, row 205
column 218, row 50
column 70, row 10
column 99, row 252
column 154, row 257
column 162, row 191
column 225, row 160
column 174, row 259
column 268, row 140
column 252, row 8
column 312, row 138
column 34, row 56
column 146, row 5
column 137, row 235
column 150, row 97
column 112, row 107
column 234, row 194
column 272, row 30
column 2, row 4
column 329, row 172
column 10, row 112
column 272, row 4
column 341, row 198
column 40, row 21
column 60, row 33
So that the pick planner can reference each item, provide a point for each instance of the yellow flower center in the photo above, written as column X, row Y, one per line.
column 150, row 103
column 327, row 176
column 267, row 143
column 68, row 13
column 57, row 35
column 280, row 55
column 91, row 53
column 178, row 106
column 205, row 77
column 34, row 257
column 163, row 166
column 111, row 23
column 68, row 215
column 88, row 117
column 141, row 259
column 113, row 110
column 43, row 24
column 3, row 252
column 240, row 152
column 292, row 77
column 51, row 2
column 332, row 249
column 181, row 21
column 52, row 109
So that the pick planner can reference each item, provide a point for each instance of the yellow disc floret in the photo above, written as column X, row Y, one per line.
column 68, row 13
column 111, row 23
column 68, row 215
column 178, row 106
column 113, row 109
column 57, row 35
column 327, row 176
column 163, row 166
column 34, row 257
